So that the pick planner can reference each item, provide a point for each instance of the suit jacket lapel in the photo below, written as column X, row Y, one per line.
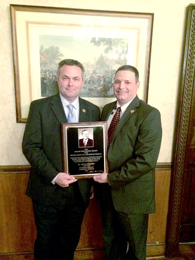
column 131, row 109
column 58, row 110
column 107, row 111
column 84, row 111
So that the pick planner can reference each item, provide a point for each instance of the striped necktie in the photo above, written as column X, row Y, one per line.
column 71, row 114
column 113, row 125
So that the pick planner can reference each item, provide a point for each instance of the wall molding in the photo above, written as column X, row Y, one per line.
column 26, row 168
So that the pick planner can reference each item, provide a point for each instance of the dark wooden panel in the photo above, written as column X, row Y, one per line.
column 187, row 225
column 187, row 232
column 184, row 138
column 18, row 232
column 158, row 221
column 188, row 200
column 17, row 229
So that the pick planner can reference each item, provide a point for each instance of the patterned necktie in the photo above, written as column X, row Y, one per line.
column 71, row 114
column 113, row 125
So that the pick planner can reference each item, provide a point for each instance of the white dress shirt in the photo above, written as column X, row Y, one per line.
column 75, row 104
column 66, row 111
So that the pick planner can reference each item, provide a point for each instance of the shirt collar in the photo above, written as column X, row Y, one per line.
column 124, row 107
column 65, row 101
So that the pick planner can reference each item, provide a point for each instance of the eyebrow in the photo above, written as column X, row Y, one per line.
column 75, row 77
column 122, row 80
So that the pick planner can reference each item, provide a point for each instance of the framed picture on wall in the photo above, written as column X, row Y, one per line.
column 101, row 40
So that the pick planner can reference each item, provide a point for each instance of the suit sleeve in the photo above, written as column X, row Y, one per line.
column 142, row 161
column 32, row 146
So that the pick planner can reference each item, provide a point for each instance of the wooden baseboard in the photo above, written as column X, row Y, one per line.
column 26, row 168
column 80, row 254
column 154, row 250
column 90, row 254
column 84, row 254
column 17, row 256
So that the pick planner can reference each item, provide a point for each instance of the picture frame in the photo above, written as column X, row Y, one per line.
column 80, row 159
column 101, row 40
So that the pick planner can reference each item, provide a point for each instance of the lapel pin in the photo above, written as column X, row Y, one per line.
column 132, row 111
column 84, row 111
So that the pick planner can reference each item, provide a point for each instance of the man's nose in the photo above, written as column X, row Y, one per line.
column 70, row 82
column 121, row 85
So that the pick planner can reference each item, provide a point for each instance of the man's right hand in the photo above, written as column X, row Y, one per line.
column 64, row 180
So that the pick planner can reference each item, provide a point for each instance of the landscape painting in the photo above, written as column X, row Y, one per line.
column 100, row 57
column 101, row 40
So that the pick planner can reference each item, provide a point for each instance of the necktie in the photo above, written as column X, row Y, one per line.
column 113, row 125
column 71, row 114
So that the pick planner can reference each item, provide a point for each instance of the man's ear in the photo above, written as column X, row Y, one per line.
column 138, row 84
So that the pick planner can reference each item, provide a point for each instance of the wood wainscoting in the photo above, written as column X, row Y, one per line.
column 17, row 228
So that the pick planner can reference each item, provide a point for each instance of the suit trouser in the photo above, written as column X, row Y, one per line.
column 58, row 229
column 135, row 227
column 121, row 229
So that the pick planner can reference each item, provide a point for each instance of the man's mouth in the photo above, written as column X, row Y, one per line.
column 70, row 88
column 121, row 91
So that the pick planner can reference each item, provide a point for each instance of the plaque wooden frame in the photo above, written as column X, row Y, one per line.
column 81, row 161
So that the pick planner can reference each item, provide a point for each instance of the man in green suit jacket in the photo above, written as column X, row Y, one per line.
column 127, row 191
column 59, row 200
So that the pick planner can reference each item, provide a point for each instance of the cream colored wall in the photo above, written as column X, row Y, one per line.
column 166, row 56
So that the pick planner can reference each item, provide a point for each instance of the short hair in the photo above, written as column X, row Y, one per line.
column 85, row 130
column 71, row 62
column 130, row 68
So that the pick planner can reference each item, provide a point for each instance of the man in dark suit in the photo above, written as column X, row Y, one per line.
column 59, row 200
column 85, row 141
column 127, row 190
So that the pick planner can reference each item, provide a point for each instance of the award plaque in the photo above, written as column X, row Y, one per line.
column 84, row 148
